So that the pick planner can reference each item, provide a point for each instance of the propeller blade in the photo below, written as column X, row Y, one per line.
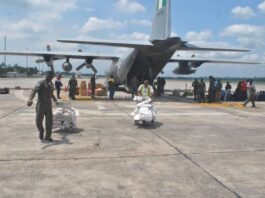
column 48, row 60
column 48, row 48
column 40, row 60
column 80, row 66
column 94, row 69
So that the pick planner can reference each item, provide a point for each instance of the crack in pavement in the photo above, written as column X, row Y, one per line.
column 11, row 112
column 226, row 152
column 124, row 157
column 196, row 164
column 86, row 158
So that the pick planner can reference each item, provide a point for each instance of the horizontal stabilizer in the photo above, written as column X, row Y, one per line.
column 109, row 43
column 190, row 47
column 214, row 61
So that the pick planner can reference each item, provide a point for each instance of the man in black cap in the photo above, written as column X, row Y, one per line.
column 45, row 89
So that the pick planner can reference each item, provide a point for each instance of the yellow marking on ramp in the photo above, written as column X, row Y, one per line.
column 79, row 98
column 223, row 104
column 64, row 96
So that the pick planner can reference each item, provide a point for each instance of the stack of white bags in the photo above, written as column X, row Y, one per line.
column 64, row 117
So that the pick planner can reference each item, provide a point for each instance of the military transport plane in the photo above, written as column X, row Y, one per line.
column 146, row 60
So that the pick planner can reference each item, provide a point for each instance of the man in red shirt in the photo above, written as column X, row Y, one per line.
column 244, row 89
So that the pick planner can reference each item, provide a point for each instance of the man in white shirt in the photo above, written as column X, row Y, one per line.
column 251, row 93
column 144, row 90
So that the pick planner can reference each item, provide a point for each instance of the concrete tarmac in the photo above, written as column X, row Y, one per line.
column 193, row 150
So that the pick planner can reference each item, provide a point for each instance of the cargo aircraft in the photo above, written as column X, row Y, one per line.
column 145, row 60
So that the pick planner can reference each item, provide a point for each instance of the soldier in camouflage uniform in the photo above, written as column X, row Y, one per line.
column 195, row 85
column 201, row 91
column 72, row 85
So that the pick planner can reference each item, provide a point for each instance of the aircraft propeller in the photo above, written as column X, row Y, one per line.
column 88, row 64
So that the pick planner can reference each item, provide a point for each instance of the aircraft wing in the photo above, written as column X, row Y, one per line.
column 214, row 61
column 61, row 55
column 190, row 47
column 109, row 43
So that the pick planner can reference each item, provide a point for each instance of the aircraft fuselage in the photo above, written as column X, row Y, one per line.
column 144, row 64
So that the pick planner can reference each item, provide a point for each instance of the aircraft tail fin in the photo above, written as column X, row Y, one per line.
column 161, row 27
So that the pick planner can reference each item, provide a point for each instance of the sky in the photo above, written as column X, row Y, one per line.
column 32, row 24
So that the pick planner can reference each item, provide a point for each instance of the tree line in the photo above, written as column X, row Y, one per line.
column 4, row 69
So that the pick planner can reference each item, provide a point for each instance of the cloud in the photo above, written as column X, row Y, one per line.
column 95, row 24
column 174, row 34
column 40, row 4
column 57, row 46
column 261, row 6
column 38, row 23
column 25, row 25
column 243, row 12
column 243, row 30
column 39, row 17
column 251, row 36
column 198, row 36
column 39, row 10
column 59, row 5
column 20, row 29
column 49, row 10
column 15, row 3
column 135, row 36
column 129, row 6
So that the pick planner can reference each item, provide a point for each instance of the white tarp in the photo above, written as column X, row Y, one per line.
column 64, row 117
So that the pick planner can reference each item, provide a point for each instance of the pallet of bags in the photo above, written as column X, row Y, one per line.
column 64, row 116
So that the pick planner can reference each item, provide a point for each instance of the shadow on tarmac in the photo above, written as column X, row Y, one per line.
column 64, row 139
column 152, row 126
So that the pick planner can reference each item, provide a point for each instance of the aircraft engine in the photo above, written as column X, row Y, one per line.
column 187, row 67
column 181, row 71
column 67, row 66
